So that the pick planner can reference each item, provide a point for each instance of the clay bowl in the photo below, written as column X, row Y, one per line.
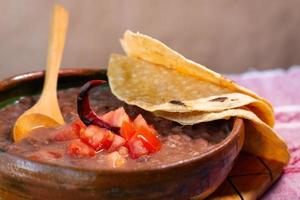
column 25, row 179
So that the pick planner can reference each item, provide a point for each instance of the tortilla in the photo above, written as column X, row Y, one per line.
column 151, row 50
column 158, row 79
column 154, row 87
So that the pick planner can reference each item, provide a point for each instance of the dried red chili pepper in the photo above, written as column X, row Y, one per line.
column 84, row 110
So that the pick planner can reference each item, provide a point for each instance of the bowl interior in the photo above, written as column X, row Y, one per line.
column 47, row 174
column 28, row 84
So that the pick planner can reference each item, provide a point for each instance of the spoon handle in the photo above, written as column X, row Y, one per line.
column 55, row 50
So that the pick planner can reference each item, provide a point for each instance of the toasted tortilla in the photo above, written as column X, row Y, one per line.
column 160, row 80
column 157, row 88
column 152, row 50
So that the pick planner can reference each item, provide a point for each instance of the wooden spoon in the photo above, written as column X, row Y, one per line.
column 46, row 112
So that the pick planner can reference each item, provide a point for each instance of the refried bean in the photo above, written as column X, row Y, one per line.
column 179, row 143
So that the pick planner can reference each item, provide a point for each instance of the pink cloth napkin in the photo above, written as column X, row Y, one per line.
column 282, row 88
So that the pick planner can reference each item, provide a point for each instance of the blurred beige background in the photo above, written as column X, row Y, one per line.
column 227, row 35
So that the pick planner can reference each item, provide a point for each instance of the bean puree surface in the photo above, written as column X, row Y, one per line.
column 179, row 143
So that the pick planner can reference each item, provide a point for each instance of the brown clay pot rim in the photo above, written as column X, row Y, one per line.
column 9, row 82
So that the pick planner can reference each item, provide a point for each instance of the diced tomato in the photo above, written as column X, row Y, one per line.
column 143, row 143
column 69, row 132
column 106, row 144
column 66, row 133
column 127, row 130
column 136, row 147
column 117, row 143
column 78, row 125
column 116, row 117
column 79, row 149
column 96, row 137
column 141, row 138
column 138, row 136
column 139, row 122
column 149, row 139
column 108, row 117
column 147, row 133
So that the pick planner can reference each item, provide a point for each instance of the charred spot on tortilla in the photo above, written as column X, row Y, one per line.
column 177, row 102
column 233, row 99
column 220, row 99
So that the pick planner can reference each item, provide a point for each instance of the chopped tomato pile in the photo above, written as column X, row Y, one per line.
column 113, row 132
column 135, row 136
